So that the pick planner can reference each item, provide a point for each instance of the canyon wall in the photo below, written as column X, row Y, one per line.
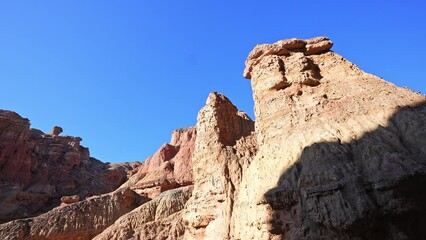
column 37, row 169
column 335, row 153
column 147, row 206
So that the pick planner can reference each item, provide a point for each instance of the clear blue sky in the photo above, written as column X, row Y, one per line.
column 123, row 74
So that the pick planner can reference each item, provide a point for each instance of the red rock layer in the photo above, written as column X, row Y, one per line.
column 37, row 169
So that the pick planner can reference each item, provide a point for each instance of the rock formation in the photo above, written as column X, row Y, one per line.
column 341, row 152
column 80, row 220
column 335, row 153
column 160, row 218
column 56, row 131
column 70, row 199
column 163, row 177
column 223, row 148
column 170, row 167
column 37, row 169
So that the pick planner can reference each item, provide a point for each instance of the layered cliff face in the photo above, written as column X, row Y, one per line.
column 341, row 152
column 37, row 169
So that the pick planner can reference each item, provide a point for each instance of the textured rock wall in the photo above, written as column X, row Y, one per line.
column 160, row 178
column 341, row 152
column 37, row 169
column 223, row 149
column 82, row 220
column 336, row 153
column 170, row 167
column 160, row 218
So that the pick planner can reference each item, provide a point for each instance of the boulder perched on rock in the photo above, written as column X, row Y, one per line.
column 160, row 218
column 70, row 199
column 56, row 131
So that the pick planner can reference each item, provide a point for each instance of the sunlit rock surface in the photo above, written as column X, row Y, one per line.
column 335, row 153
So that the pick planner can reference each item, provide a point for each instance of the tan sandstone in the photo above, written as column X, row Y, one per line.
column 338, row 148
column 335, row 153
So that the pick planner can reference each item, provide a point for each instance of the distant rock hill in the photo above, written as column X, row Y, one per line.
column 335, row 153
column 37, row 169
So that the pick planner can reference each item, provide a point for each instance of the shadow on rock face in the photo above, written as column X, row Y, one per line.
column 373, row 187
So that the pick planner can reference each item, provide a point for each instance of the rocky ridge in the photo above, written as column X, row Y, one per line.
column 335, row 153
column 85, row 217
column 38, row 169
column 80, row 220
column 170, row 167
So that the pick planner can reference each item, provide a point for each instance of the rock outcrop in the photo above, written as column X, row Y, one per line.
column 335, row 153
column 223, row 149
column 70, row 199
column 37, row 169
column 84, row 218
column 160, row 218
column 341, row 152
column 56, row 131
column 170, row 167
column 80, row 220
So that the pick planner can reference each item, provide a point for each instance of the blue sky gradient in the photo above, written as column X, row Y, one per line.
column 123, row 74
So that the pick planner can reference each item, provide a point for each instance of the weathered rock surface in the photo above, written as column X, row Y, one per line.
column 81, row 220
column 160, row 218
column 37, row 169
column 284, row 48
column 336, row 153
column 223, row 149
column 170, row 167
column 341, row 152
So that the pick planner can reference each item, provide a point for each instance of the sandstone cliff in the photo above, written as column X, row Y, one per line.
column 80, row 220
column 160, row 218
column 341, row 152
column 335, row 153
column 37, row 169
column 170, row 167
column 224, row 148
